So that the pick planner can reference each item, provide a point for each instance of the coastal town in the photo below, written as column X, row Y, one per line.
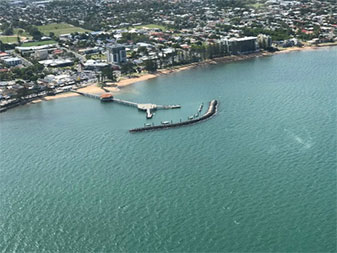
column 172, row 126
column 51, row 47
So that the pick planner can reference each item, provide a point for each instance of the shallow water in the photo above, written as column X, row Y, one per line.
column 260, row 176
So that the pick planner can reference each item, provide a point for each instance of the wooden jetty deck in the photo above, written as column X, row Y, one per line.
column 212, row 109
column 148, row 108
column 124, row 102
column 86, row 94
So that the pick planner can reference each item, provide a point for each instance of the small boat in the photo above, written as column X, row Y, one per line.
column 200, row 107
column 190, row 117
column 165, row 122
column 147, row 124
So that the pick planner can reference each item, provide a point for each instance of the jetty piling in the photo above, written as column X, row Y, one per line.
column 86, row 94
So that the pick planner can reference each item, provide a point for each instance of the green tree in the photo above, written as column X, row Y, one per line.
column 2, row 46
column 34, row 32
column 20, row 32
column 143, row 50
column 108, row 73
column 8, row 31
column 22, row 92
column 150, row 65
column 128, row 68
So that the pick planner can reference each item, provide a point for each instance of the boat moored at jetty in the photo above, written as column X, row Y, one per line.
column 212, row 109
column 200, row 107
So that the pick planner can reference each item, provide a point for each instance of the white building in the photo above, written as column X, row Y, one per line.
column 57, row 63
column 264, row 41
column 12, row 61
column 240, row 45
column 41, row 54
column 35, row 48
column 116, row 54
column 94, row 65
column 58, row 79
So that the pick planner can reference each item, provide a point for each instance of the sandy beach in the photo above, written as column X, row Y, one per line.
column 93, row 88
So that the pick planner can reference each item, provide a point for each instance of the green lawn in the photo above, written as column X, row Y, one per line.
column 23, row 32
column 9, row 39
column 61, row 28
column 163, row 28
column 98, row 57
column 13, row 38
column 38, row 43
column 256, row 5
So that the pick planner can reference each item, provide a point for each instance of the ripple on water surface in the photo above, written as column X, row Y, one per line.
column 258, row 177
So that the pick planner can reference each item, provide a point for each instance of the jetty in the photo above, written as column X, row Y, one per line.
column 212, row 109
column 86, row 94
column 148, row 108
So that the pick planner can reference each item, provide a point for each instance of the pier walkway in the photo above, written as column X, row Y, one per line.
column 212, row 109
column 148, row 108
column 86, row 94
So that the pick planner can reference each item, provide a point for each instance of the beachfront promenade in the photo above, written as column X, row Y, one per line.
column 148, row 108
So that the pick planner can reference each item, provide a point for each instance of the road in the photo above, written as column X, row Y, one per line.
column 79, row 56
column 24, row 61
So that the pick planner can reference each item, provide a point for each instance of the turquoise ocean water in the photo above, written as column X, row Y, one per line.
column 258, row 177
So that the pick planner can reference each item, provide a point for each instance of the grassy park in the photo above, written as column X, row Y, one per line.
column 59, row 29
column 151, row 26
column 38, row 43
column 9, row 39
column 13, row 38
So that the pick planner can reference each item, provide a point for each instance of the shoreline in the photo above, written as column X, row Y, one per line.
column 93, row 88
column 162, row 72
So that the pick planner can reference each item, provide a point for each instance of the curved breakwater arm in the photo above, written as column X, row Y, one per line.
column 212, row 108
